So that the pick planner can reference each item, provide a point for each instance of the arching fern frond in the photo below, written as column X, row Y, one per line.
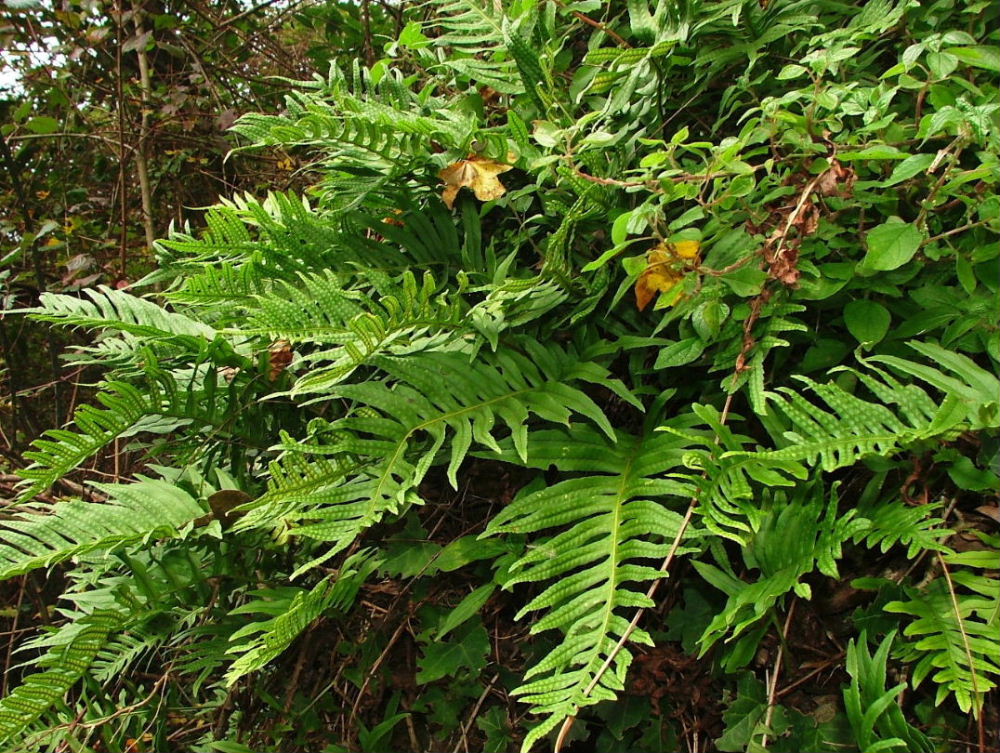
column 324, row 311
column 835, row 431
column 955, row 631
column 64, row 668
column 280, row 237
column 256, row 644
column 608, row 528
column 117, row 310
column 473, row 31
column 127, row 409
column 400, row 425
column 40, row 536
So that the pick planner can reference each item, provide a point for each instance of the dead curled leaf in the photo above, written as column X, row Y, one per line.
column 666, row 265
column 477, row 173
column 836, row 180
column 279, row 356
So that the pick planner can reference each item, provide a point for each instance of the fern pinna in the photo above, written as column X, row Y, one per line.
column 795, row 394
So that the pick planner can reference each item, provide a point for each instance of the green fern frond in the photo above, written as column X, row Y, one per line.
column 473, row 32
column 256, row 644
column 874, row 713
column 610, row 526
column 278, row 238
column 40, row 536
column 400, row 426
column 118, row 310
column 64, row 668
column 834, row 433
column 226, row 285
column 956, row 648
column 128, row 409
column 322, row 310
column 793, row 537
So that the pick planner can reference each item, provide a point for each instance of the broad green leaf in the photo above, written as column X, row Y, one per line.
column 679, row 353
column 868, row 321
column 445, row 659
column 909, row 167
column 980, row 56
column 42, row 124
column 891, row 245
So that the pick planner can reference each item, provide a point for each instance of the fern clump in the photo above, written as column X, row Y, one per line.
column 792, row 395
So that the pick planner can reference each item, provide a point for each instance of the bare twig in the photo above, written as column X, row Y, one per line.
column 772, row 691
column 980, row 726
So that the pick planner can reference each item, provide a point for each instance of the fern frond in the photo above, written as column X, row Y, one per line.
column 127, row 409
column 611, row 527
column 256, row 644
column 227, row 284
column 64, row 668
column 835, row 431
column 473, row 32
column 321, row 310
column 400, row 426
column 118, row 310
column 793, row 537
column 40, row 536
column 957, row 648
column 873, row 711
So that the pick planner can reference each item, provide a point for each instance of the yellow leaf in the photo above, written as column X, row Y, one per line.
column 477, row 173
column 685, row 249
column 665, row 267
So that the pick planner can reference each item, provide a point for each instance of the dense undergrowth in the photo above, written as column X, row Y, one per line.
column 632, row 364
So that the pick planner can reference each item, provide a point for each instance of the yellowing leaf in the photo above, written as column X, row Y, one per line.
column 477, row 173
column 665, row 267
column 685, row 249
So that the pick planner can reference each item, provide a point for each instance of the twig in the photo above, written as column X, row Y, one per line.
column 773, row 690
column 596, row 24
column 472, row 716
column 968, row 650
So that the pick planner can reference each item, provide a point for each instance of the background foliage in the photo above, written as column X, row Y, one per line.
column 625, row 364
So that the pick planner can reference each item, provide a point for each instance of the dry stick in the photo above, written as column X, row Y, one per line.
column 120, row 93
column 13, row 630
column 36, row 263
column 472, row 717
column 773, row 690
column 141, row 166
column 375, row 667
column 968, row 649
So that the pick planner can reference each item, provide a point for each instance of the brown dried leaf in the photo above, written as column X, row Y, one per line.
column 477, row 173
column 280, row 355
column 664, row 269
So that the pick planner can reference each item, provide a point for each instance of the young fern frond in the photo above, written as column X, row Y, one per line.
column 792, row 538
column 607, row 529
column 954, row 627
column 873, row 711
